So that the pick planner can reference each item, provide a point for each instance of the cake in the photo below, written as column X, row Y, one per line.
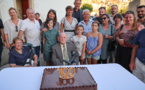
column 82, row 80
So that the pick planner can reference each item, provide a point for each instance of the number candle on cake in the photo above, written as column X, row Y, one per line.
column 65, row 73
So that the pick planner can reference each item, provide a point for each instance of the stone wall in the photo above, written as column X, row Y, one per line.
column 133, row 5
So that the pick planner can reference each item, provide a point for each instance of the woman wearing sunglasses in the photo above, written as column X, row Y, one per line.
column 12, row 27
column 106, row 28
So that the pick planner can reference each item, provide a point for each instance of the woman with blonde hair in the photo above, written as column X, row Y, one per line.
column 12, row 27
column 125, row 39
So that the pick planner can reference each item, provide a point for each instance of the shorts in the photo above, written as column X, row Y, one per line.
column 47, row 56
column 93, row 56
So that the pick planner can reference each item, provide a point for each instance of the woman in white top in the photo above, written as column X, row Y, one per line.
column 69, row 23
column 12, row 27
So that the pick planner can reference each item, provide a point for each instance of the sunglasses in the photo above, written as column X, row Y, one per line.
column 104, row 18
column 16, row 28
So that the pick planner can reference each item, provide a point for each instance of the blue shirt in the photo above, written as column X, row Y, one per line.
column 88, row 27
column 140, row 40
column 92, row 43
column 78, row 14
column 17, row 58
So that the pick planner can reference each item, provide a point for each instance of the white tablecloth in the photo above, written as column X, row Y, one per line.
column 107, row 77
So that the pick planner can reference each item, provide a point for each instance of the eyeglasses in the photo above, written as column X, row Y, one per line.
column 16, row 28
column 103, row 18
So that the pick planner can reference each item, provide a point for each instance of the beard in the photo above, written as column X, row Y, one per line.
column 142, row 16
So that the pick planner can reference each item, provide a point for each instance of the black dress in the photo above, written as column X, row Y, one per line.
column 123, row 54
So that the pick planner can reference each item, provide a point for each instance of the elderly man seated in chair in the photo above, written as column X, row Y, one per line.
column 21, row 55
column 64, row 53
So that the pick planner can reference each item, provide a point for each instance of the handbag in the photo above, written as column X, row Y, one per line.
column 111, row 44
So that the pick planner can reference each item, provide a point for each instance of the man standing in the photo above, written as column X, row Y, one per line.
column 77, row 12
column 31, row 28
column 63, row 51
column 87, row 23
column 141, row 14
column 114, row 10
column 102, row 10
column 137, row 62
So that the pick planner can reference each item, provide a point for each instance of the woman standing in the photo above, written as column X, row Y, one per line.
column 12, row 27
column 107, row 30
column 117, row 18
column 37, row 17
column 51, row 14
column 69, row 23
column 125, row 39
column 1, row 43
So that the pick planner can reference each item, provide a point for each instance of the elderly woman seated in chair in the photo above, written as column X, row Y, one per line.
column 19, row 54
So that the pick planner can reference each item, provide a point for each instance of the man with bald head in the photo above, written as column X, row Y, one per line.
column 31, row 28
column 63, row 51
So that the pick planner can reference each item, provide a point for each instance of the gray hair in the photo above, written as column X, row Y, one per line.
column 86, row 10
column 29, row 9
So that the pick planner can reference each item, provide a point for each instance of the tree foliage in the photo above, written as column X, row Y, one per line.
column 108, row 10
column 87, row 6
column 123, row 10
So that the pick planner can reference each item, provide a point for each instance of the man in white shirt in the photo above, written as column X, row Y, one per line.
column 31, row 28
column 114, row 10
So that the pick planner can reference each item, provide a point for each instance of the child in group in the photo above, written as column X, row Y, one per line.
column 49, row 39
column 80, row 41
column 94, row 44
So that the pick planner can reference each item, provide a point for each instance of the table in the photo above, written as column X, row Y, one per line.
column 107, row 77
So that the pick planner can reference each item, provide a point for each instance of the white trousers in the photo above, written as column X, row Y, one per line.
column 139, row 72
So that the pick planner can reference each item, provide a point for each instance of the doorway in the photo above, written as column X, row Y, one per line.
column 22, row 6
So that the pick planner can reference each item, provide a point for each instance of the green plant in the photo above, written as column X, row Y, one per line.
column 87, row 6
column 108, row 10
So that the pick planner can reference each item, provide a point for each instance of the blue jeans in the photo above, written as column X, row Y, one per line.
column 37, row 51
column 1, row 49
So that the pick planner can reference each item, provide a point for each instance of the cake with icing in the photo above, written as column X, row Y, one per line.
column 82, row 80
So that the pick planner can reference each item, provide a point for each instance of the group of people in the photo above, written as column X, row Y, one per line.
column 76, row 32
